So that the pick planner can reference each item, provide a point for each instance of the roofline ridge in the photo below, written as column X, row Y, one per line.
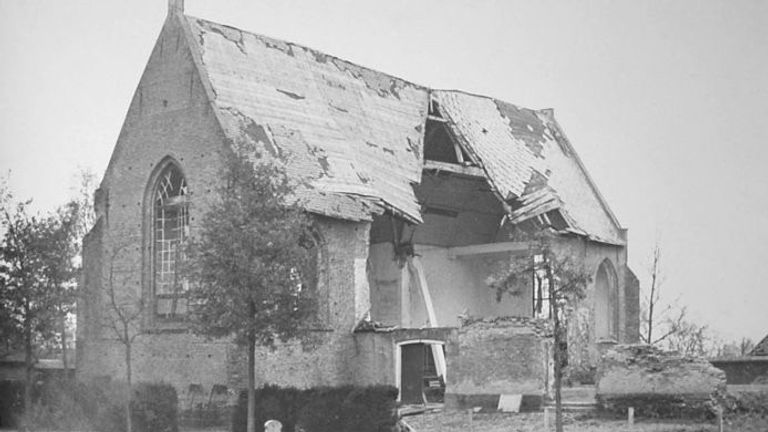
column 312, row 50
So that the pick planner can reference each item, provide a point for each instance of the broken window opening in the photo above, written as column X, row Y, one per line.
column 541, row 292
column 439, row 143
column 170, row 229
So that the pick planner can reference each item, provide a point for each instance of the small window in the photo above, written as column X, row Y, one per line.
column 170, row 227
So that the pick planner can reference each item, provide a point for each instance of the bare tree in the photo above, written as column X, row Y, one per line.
column 126, row 308
column 652, row 300
column 685, row 336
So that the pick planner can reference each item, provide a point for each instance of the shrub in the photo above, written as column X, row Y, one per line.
column 154, row 408
column 54, row 406
column 321, row 409
column 746, row 402
column 370, row 409
column 100, row 406
column 11, row 402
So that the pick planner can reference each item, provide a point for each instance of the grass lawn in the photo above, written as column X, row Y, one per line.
column 452, row 421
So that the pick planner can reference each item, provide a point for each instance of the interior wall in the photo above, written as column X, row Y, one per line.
column 384, row 282
column 459, row 287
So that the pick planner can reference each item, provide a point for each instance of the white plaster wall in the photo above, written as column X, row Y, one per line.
column 458, row 286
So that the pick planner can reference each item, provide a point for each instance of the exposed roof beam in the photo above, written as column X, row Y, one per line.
column 489, row 248
column 436, row 118
column 469, row 171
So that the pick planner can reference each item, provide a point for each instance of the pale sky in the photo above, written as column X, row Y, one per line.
column 665, row 101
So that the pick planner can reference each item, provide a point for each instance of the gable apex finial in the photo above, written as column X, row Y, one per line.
column 175, row 7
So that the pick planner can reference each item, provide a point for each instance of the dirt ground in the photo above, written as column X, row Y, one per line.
column 534, row 422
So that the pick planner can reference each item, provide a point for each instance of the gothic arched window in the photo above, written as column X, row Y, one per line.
column 606, row 302
column 170, row 226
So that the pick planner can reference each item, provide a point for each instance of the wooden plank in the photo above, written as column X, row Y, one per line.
column 436, row 118
column 489, row 248
column 437, row 351
column 459, row 156
column 469, row 171
column 405, row 297
column 415, row 265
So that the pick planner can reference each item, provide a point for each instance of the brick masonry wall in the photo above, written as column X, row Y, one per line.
column 584, row 346
column 170, row 116
column 499, row 357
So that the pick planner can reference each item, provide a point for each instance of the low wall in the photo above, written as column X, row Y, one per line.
column 375, row 351
column 494, row 357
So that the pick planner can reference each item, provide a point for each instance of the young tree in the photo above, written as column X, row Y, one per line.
column 125, row 310
column 250, row 261
column 650, row 312
column 564, row 280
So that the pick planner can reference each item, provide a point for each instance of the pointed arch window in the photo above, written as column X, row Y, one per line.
column 170, row 227
column 606, row 302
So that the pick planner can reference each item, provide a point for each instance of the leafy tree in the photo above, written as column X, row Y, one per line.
column 36, row 278
column 250, row 261
column 557, row 271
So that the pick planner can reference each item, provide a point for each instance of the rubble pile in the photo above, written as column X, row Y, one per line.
column 657, row 383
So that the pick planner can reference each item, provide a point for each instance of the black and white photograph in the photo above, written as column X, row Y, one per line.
column 384, row 216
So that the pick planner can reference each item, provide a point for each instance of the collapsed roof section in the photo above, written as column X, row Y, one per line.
column 529, row 162
column 355, row 137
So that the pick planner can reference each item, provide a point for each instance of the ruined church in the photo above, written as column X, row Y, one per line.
column 416, row 194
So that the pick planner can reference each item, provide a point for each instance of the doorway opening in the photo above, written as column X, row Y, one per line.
column 421, row 371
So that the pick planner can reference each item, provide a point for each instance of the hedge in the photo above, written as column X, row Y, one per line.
column 98, row 406
column 322, row 409
column 154, row 408
column 11, row 403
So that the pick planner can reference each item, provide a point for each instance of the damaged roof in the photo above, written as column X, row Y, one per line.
column 355, row 136
column 349, row 131
column 529, row 161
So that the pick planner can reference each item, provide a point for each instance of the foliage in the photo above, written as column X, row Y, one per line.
column 37, row 278
column 332, row 409
column 11, row 402
column 251, row 258
column 154, row 407
column 98, row 406
column 56, row 406
column 746, row 402
column 555, row 268
column 658, row 406
column 250, row 264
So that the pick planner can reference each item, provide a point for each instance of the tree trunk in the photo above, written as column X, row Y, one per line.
column 558, row 373
column 251, row 382
column 558, row 354
column 28, row 365
column 64, row 344
column 128, row 419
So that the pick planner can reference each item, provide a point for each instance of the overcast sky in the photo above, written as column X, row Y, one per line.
column 665, row 101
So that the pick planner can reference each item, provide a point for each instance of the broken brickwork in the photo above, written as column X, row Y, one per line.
column 657, row 383
column 487, row 358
